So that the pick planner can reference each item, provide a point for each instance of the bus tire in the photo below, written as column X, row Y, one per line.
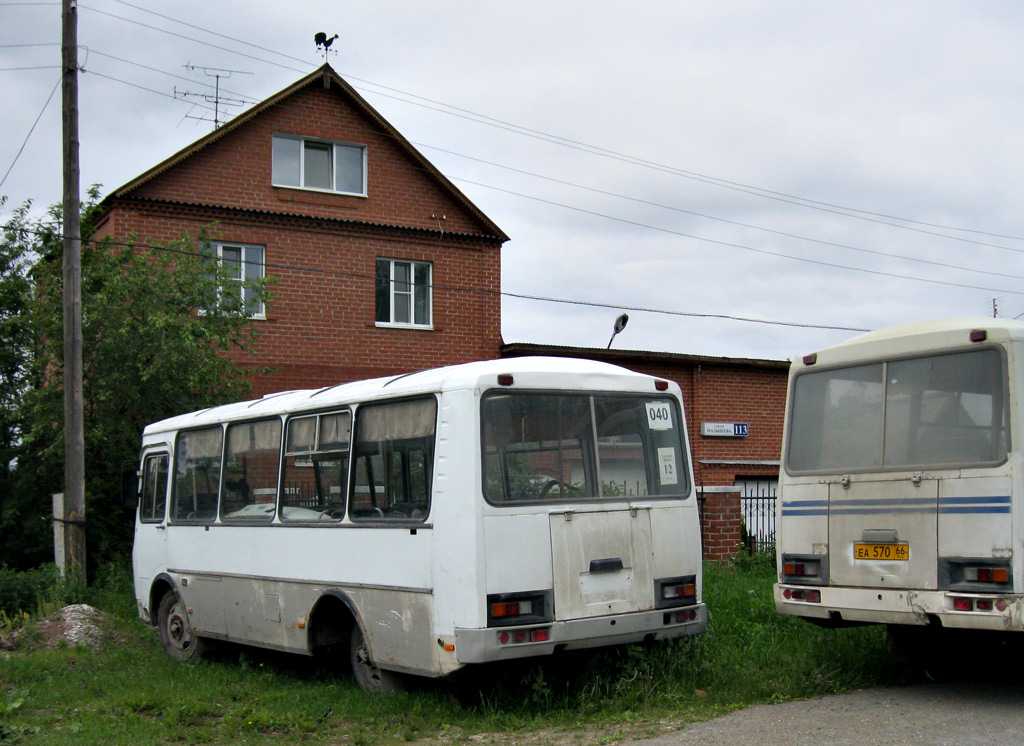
column 368, row 676
column 176, row 634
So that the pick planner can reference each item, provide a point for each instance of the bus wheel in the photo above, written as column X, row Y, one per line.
column 367, row 675
column 176, row 634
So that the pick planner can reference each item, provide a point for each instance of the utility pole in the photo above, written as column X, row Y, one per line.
column 74, row 437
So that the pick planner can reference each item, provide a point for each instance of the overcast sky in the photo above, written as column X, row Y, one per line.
column 815, row 164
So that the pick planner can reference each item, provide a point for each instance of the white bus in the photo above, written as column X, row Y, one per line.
column 424, row 522
column 901, row 500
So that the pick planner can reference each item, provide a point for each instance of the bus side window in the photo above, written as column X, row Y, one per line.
column 153, row 501
column 316, row 467
column 394, row 452
column 250, row 470
column 196, row 475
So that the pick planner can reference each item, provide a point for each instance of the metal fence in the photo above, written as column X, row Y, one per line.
column 757, row 508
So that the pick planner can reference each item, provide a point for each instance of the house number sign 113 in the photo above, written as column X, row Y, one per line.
column 725, row 429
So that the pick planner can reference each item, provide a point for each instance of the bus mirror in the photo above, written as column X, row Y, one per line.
column 129, row 488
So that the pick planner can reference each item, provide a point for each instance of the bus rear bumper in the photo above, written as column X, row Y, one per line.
column 951, row 609
column 500, row 643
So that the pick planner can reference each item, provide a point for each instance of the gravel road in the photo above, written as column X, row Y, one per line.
column 934, row 714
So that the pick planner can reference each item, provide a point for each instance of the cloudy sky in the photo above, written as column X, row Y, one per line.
column 707, row 167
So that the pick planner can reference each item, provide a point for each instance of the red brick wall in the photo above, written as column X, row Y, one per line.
column 719, row 524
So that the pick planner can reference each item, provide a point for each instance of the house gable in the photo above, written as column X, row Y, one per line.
column 232, row 167
column 404, row 277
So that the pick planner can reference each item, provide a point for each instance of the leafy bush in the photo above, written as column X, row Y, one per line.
column 25, row 590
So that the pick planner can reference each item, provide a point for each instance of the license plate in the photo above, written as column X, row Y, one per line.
column 897, row 552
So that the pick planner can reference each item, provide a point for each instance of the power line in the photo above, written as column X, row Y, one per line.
column 601, row 151
column 740, row 224
column 31, row 130
column 729, row 244
column 248, row 99
column 212, row 33
column 850, row 212
column 33, row 67
column 469, row 289
column 188, row 38
column 144, row 88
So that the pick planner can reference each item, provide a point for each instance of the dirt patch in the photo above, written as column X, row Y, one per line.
column 71, row 626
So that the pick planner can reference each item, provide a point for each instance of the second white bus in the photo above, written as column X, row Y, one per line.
column 427, row 521
column 901, row 500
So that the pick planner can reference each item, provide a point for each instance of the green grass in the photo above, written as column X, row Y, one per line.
column 132, row 693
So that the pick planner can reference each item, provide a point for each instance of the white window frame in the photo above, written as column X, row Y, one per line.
column 245, row 249
column 279, row 179
column 396, row 294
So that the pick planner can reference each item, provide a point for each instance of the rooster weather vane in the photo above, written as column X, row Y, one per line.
column 323, row 43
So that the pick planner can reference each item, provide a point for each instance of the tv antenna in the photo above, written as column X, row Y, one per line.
column 215, row 98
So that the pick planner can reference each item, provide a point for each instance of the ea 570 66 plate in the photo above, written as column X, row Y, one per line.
column 895, row 552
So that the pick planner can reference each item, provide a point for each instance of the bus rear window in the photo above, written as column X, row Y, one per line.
column 563, row 447
column 939, row 410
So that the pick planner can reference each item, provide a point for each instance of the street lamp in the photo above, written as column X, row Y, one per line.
column 620, row 324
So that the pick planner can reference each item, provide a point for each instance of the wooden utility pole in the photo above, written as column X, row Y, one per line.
column 74, row 438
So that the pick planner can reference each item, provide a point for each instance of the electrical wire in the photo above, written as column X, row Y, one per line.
column 31, row 130
column 737, row 223
column 856, row 213
column 469, row 289
column 144, row 88
column 608, row 153
column 729, row 244
column 187, row 79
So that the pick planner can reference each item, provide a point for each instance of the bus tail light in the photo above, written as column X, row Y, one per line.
column 986, row 574
column 679, row 617
column 962, row 603
column 520, row 636
column 806, row 569
column 679, row 591
column 802, row 594
column 972, row 603
column 979, row 575
column 500, row 609
column 508, row 609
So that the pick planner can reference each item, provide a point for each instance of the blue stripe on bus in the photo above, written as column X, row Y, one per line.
column 1002, row 509
column 886, row 501
column 995, row 504
column 1001, row 499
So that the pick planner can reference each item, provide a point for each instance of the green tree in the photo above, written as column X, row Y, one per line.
column 155, row 322
column 20, row 527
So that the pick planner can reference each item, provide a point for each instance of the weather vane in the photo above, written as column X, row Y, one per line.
column 323, row 43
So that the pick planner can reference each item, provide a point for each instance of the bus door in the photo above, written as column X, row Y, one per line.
column 601, row 561
column 149, row 553
column 883, row 531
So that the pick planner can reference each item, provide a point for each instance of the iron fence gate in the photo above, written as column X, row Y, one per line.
column 757, row 509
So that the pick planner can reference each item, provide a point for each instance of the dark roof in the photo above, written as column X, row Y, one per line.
column 520, row 349
column 326, row 76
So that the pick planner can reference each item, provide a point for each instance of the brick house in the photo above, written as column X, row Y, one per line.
column 381, row 265
column 734, row 415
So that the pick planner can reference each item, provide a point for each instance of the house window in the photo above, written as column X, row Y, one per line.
column 403, row 293
column 318, row 164
column 244, row 265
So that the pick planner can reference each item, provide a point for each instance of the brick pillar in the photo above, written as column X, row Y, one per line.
column 720, row 519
